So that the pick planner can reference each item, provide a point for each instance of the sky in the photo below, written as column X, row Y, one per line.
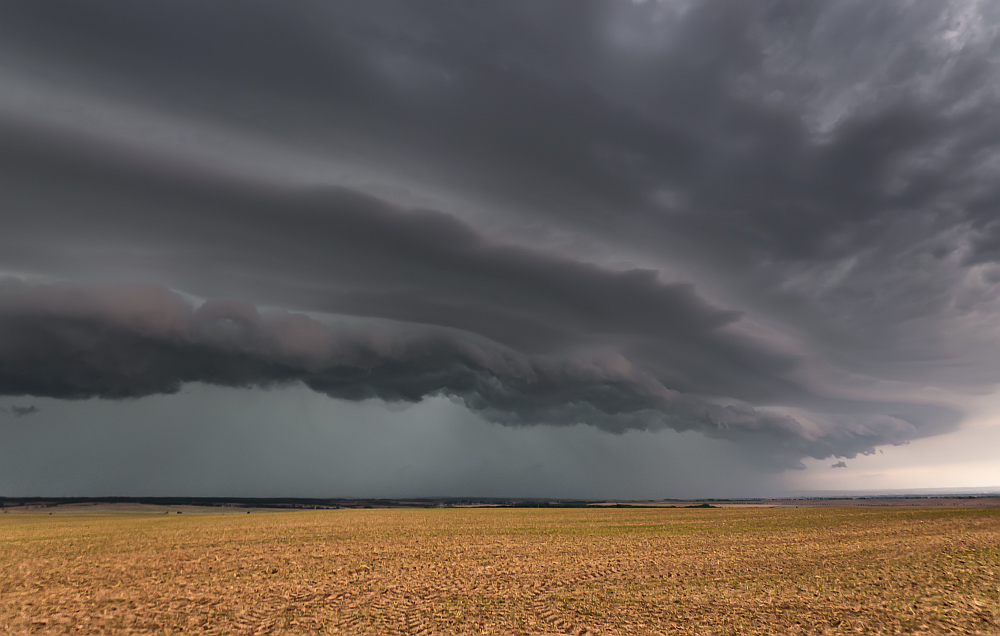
column 577, row 249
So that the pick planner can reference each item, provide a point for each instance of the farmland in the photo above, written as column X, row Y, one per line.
column 497, row 571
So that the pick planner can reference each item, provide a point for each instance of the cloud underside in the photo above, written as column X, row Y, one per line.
column 775, row 224
column 118, row 342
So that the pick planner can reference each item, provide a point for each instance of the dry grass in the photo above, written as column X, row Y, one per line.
column 618, row 571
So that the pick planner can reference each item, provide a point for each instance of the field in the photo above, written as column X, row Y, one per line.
column 500, row 571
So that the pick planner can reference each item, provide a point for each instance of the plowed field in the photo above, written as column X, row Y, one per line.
column 501, row 571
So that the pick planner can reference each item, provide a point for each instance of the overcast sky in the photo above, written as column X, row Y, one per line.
column 568, row 248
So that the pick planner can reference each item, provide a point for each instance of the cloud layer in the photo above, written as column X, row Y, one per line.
column 129, row 341
column 774, row 224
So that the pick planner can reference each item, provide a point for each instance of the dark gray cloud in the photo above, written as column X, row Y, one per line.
column 117, row 342
column 21, row 411
column 772, row 223
column 356, row 254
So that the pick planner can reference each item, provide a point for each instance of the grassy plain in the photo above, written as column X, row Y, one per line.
column 502, row 571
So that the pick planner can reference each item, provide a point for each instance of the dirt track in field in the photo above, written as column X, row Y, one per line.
column 505, row 571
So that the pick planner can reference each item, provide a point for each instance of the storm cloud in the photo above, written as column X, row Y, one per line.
column 774, row 224
column 117, row 342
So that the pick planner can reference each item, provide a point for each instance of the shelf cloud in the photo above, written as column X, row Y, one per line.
column 771, row 224
column 130, row 341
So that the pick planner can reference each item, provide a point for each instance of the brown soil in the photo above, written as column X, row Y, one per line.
column 505, row 571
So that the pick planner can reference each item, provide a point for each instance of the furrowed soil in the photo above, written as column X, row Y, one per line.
column 505, row 571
